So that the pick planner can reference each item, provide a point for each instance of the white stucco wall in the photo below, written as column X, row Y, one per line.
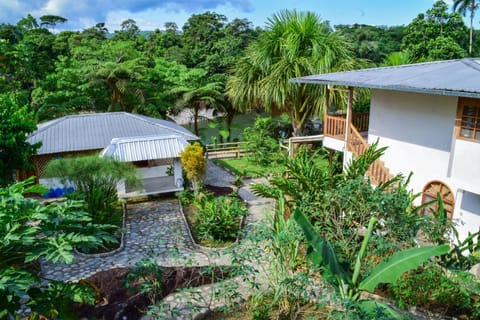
column 466, row 165
column 152, row 172
column 419, row 130
column 334, row 144
column 467, row 213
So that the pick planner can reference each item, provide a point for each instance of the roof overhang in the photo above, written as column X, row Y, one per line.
column 459, row 78
column 145, row 148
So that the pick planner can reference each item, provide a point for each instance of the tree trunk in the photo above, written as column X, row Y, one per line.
column 229, row 120
column 195, row 119
column 297, row 129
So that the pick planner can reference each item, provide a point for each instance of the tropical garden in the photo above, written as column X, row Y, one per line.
column 332, row 247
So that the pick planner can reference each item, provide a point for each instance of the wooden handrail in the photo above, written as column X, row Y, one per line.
column 357, row 145
column 360, row 121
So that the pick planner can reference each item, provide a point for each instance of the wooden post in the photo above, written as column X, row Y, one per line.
column 327, row 107
column 348, row 121
column 290, row 148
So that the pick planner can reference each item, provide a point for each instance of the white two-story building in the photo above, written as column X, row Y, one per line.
column 428, row 115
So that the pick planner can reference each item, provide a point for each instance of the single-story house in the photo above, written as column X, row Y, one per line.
column 153, row 145
column 428, row 115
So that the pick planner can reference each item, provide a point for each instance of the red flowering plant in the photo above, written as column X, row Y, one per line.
column 218, row 218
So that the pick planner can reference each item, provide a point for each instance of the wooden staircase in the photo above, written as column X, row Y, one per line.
column 377, row 172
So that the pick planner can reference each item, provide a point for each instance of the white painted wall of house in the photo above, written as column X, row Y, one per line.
column 334, row 144
column 52, row 183
column 466, row 165
column 419, row 132
column 150, row 172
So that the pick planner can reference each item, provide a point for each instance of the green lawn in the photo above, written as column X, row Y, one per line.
column 243, row 167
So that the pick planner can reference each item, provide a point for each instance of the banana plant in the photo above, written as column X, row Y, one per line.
column 322, row 254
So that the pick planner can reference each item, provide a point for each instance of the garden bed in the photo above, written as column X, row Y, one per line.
column 113, row 247
column 215, row 217
column 117, row 301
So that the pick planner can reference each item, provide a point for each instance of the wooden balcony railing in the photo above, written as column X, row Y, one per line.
column 335, row 124
column 360, row 121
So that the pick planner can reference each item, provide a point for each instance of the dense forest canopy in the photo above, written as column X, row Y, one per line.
column 155, row 72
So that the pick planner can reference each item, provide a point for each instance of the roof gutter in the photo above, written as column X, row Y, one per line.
column 442, row 92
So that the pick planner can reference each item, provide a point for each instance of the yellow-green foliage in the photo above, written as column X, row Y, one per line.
column 193, row 162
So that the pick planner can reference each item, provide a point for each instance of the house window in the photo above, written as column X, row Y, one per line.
column 468, row 122
column 431, row 192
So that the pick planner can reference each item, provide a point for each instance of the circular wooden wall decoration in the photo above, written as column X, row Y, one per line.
column 430, row 192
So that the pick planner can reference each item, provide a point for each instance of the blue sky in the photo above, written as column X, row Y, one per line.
column 152, row 14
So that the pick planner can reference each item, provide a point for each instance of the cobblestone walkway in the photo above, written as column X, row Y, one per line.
column 156, row 226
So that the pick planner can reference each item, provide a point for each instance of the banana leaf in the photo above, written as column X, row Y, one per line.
column 321, row 252
column 389, row 271
column 378, row 310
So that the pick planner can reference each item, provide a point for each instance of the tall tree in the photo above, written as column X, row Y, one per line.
column 99, row 32
column 462, row 6
column 129, row 31
column 122, row 69
column 16, row 122
column 436, row 35
column 52, row 20
column 200, row 33
column 198, row 93
column 294, row 44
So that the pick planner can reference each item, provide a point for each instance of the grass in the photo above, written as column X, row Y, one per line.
column 245, row 168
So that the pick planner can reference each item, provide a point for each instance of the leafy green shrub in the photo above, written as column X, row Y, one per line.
column 95, row 181
column 148, row 276
column 262, row 144
column 31, row 231
column 430, row 287
column 186, row 196
column 217, row 218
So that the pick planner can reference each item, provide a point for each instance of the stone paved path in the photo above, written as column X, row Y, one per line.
column 194, row 304
column 156, row 225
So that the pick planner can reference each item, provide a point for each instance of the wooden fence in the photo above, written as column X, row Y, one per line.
column 226, row 150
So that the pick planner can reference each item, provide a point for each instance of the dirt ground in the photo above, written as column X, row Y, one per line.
column 116, row 301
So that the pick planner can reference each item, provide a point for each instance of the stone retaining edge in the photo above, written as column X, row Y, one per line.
column 122, row 240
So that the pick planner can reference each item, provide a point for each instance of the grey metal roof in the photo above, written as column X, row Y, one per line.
column 145, row 148
column 450, row 77
column 96, row 131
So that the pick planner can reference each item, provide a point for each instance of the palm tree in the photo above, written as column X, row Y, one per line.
column 119, row 78
column 462, row 6
column 294, row 44
column 198, row 95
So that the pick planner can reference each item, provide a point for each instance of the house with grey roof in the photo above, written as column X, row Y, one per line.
column 153, row 145
column 428, row 115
